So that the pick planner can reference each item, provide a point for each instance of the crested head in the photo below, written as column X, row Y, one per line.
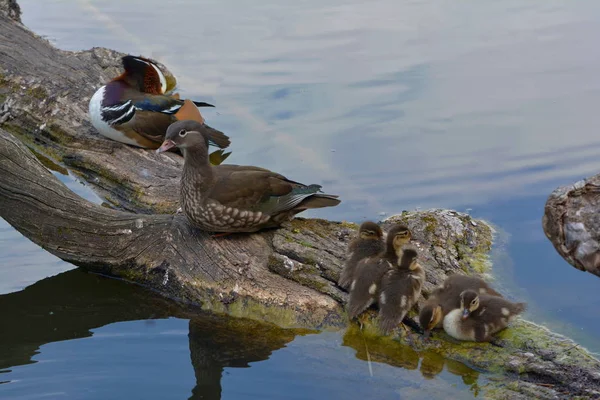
column 469, row 302
column 188, row 134
column 370, row 230
column 144, row 75
column 397, row 237
column 429, row 316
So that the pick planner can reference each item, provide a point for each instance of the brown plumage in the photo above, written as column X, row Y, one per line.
column 366, row 285
column 480, row 316
column 400, row 290
column 234, row 198
column 368, row 243
column 447, row 297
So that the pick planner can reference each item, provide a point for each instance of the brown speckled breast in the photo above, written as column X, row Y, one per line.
column 212, row 216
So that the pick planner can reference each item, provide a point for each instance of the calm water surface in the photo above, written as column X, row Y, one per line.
column 483, row 107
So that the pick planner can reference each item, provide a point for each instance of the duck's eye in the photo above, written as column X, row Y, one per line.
column 182, row 133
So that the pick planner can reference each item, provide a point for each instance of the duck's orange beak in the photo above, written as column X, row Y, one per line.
column 166, row 145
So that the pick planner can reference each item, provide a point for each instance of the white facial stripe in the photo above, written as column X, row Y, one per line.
column 163, row 81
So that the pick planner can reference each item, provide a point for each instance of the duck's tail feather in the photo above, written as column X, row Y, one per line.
column 188, row 111
column 202, row 104
column 319, row 200
column 218, row 156
column 520, row 307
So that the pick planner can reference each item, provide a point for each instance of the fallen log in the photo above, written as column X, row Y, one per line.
column 285, row 276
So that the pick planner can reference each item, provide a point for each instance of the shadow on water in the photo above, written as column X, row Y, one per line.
column 68, row 306
column 392, row 352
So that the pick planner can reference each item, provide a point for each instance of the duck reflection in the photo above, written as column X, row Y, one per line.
column 70, row 305
column 383, row 349
column 216, row 343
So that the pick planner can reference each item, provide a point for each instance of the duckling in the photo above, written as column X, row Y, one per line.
column 480, row 316
column 234, row 198
column 368, row 243
column 364, row 289
column 446, row 298
column 400, row 290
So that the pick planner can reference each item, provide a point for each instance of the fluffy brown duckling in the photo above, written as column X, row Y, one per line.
column 365, row 287
column 480, row 316
column 400, row 290
column 368, row 243
column 446, row 298
column 234, row 198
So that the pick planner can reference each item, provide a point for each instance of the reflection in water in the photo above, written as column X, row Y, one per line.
column 68, row 306
column 76, row 304
column 383, row 349
column 216, row 343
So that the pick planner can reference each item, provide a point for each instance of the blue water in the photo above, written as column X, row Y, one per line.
column 483, row 107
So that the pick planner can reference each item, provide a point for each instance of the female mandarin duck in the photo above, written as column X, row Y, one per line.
column 134, row 109
column 235, row 198
column 368, row 243
column 446, row 298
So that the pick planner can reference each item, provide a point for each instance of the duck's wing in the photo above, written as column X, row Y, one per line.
column 257, row 189
column 350, row 265
column 162, row 103
column 395, row 300
column 152, row 124
column 366, row 285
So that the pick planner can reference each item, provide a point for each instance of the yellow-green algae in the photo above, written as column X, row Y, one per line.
column 473, row 259
column 280, row 315
column 49, row 163
column 37, row 92
column 319, row 227
column 403, row 348
column 371, row 346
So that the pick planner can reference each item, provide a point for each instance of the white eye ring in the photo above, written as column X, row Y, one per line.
column 182, row 133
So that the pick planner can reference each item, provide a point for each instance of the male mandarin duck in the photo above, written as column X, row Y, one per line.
column 234, row 198
column 446, row 298
column 480, row 316
column 368, row 243
column 134, row 109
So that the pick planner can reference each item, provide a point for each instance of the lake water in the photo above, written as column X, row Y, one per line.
column 483, row 107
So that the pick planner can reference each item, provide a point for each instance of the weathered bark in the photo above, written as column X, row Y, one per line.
column 572, row 223
column 285, row 276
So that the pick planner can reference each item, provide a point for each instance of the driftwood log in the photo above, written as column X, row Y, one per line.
column 284, row 277
column 572, row 223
